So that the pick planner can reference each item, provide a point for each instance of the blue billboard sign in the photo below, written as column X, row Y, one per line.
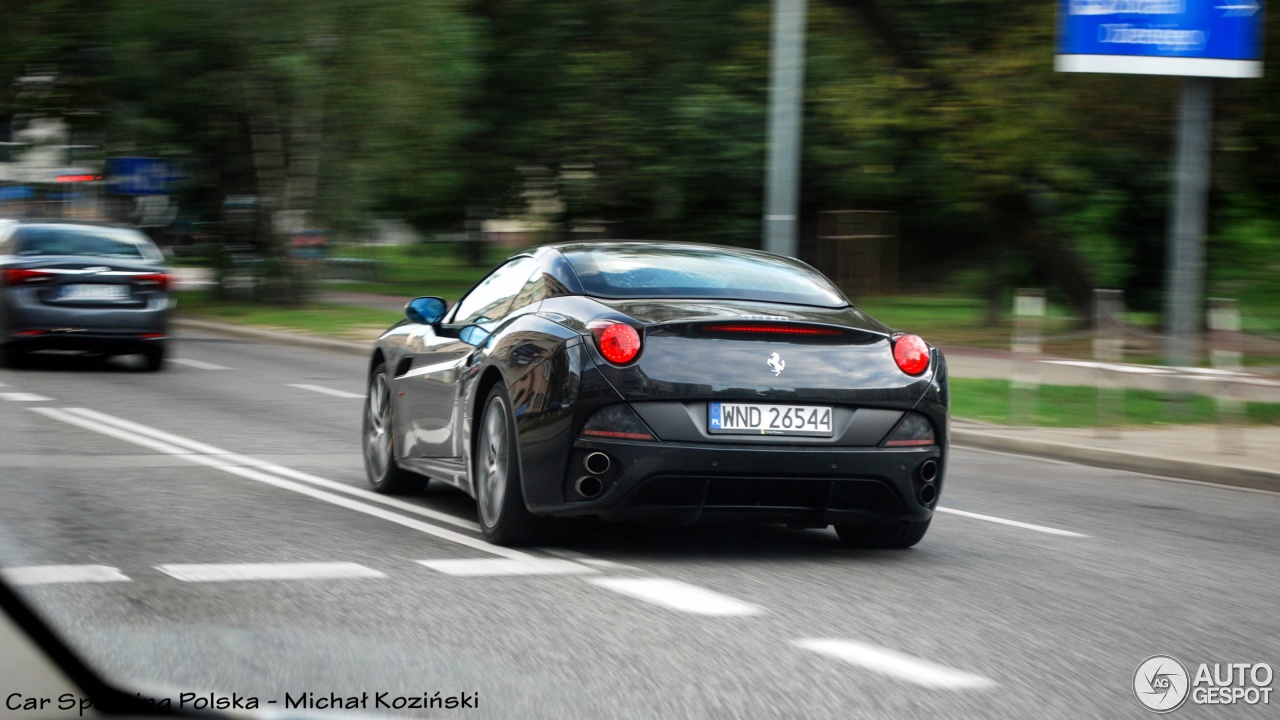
column 1204, row 38
column 140, row 176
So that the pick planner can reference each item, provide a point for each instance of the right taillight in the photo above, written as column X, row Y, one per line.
column 914, row 430
column 911, row 354
column 162, row 281
column 22, row 276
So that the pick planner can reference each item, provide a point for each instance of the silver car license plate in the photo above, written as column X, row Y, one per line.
column 761, row 419
column 89, row 291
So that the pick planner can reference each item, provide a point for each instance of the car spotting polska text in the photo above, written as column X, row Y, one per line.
column 320, row 701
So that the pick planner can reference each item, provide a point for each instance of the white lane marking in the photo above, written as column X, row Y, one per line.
column 1114, row 367
column 43, row 574
column 222, row 572
column 326, row 391
column 679, row 596
column 23, row 397
column 576, row 556
column 504, row 566
column 223, row 463
column 176, row 442
column 198, row 364
column 895, row 664
column 1014, row 523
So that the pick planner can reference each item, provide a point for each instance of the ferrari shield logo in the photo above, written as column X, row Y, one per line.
column 777, row 363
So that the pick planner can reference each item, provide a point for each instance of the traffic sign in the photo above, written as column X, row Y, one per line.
column 1201, row 38
column 140, row 176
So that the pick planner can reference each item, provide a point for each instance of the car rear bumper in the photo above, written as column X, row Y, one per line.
column 686, row 482
column 105, row 342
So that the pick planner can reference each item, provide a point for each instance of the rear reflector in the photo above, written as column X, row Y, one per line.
column 31, row 333
column 151, row 336
column 770, row 329
column 914, row 430
column 617, row 422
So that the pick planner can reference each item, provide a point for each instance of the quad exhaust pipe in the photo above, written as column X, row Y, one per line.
column 929, row 470
column 588, row 486
column 596, row 463
column 928, row 494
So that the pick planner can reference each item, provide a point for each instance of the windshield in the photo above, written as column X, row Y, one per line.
column 61, row 240
column 630, row 270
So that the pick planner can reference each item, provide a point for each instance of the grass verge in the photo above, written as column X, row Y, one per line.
column 348, row 321
column 1077, row 406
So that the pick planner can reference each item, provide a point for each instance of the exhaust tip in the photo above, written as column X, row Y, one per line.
column 929, row 470
column 588, row 486
column 928, row 494
column 597, row 463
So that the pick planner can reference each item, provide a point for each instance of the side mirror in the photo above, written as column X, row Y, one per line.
column 425, row 310
column 474, row 335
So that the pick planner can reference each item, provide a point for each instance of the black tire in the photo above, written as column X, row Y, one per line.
column 504, row 518
column 378, row 438
column 14, row 359
column 153, row 357
column 896, row 535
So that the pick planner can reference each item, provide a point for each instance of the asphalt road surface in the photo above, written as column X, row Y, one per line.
column 208, row 528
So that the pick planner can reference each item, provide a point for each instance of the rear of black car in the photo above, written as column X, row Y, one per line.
column 809, row 413
column 86, row 287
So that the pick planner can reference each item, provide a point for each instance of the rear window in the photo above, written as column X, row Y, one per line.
column 630, row 270
column 37, row 241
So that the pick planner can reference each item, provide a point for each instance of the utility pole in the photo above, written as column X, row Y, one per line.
column 1184, row 269
column 786, row 93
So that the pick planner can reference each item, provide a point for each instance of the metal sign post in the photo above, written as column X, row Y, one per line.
column 786, row 90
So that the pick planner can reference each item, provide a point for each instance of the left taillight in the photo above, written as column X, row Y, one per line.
column 24, row 276
column 617, row 422
column 155, row 281
column 911, row 353
column 618, row 342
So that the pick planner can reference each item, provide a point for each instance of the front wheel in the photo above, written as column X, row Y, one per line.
column 504, row 519
column 896, row 535
column 380, row 441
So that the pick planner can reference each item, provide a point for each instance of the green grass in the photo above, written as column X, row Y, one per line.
column 421, row 269
column 1077, row 406
column 320, row 318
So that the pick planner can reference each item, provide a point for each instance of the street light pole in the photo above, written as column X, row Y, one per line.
column 786, row 93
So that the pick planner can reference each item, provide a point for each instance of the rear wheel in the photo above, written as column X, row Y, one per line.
column 894, row 535
column 153, row 357
column 13, row 358
column 380, row 441
column 504, row 519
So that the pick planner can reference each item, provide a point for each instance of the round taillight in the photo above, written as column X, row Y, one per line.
column 911, row 353
column 619, row 343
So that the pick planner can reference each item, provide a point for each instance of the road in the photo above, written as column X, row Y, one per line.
column 207, row 528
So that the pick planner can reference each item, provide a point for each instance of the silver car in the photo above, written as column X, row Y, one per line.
column 68, row 285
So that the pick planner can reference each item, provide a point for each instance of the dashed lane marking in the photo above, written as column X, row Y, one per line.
column 198, row 364
column 505, row 566
column 326, row 391
column 679, row 596
column 897, row 665
column 47, row 574
column 1012, row 523
column 23, row 397
column 224, row 572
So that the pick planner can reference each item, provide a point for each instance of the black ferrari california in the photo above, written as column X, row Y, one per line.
column 661, row 382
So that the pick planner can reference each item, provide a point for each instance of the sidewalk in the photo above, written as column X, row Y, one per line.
column 1247, row 457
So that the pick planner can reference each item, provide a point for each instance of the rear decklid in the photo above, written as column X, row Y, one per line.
column 741, row 350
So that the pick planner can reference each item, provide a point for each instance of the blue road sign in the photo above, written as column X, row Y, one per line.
column 140, row 176
column 1204, row 38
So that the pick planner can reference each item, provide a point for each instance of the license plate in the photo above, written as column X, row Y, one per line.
column 760, row 419
column 94, row 292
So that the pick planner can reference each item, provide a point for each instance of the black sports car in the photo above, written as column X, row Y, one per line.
column 661, row 382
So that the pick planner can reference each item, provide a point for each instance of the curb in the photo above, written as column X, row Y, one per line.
column 1230, row 475
column 284, row 337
